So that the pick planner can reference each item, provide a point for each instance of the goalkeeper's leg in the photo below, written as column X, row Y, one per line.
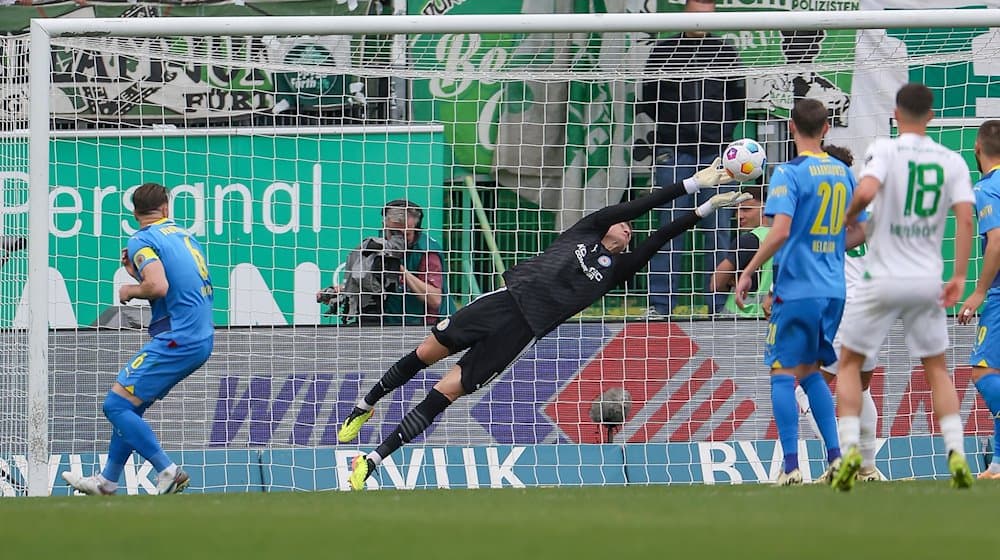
column 428, row 353
column 412, row 425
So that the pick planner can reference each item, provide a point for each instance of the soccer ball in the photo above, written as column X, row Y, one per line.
column 744, row 160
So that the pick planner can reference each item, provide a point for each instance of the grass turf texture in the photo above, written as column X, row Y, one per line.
column 889, row 520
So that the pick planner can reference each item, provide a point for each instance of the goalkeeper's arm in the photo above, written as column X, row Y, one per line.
column 710, row 176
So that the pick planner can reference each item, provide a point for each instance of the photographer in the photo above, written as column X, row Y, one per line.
column 398, row 279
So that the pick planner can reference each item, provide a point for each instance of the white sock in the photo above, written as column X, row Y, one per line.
column 869, row 427
column 994, row 467
column 850, row 431
column 363, row 405
column 169, row 471
column 803, row 399
column 375, row 457
column 951, row 431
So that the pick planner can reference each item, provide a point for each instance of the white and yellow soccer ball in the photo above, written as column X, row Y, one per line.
column 744, row 160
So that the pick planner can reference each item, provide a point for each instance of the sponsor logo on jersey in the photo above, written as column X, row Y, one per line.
column 589, row 271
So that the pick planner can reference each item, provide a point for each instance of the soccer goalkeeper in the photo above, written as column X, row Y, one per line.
column 579, row 267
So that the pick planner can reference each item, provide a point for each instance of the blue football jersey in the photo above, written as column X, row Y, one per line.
column 987, row 192
column 815, row 190
column 185, row 313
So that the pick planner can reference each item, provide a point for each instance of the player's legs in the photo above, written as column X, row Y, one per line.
column 985, row 361
column 927, row 338
column 869, row 425
column 484, row 361
column 795, row 347
column 946, row 409
column 148, row 377
column 450, row 336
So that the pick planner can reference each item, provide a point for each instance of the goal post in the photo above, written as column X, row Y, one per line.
column 283, row 139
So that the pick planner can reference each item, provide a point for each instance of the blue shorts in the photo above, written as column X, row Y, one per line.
column 986, row 350
column 160, row 365
column 801, row 331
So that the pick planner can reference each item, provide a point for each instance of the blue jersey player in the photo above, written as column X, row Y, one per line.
column 169, row 265
column 806, row 201
column 985, row 359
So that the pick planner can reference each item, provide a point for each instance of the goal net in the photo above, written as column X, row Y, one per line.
column 285, row 141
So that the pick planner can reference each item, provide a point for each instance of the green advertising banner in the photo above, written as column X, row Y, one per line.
column 277, row 214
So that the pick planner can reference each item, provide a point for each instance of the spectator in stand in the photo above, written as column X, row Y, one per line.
column 695, row 118
column 754, row 227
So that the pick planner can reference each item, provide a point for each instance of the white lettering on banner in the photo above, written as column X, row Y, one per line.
column 440, row 468
column 709, row 466
column 317, row 198
column 75, row 208
column 269, row 204
column 193, row 197
column 758, row 466
column 7, row 177
column 136, row 479
column 412, row 470
column 197, row 192
column 21, row 464
column 471, row 474
column 456, row 52
column 503, row 471
column 247, row 198
column 500, row 471
column 99, row 194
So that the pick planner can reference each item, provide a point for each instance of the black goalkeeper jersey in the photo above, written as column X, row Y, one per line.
column 576, row 269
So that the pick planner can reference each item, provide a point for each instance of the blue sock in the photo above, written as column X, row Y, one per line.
column 786, row 416
column 118, row 452
column 989, row 387
column 821, row 403
column 134, row 430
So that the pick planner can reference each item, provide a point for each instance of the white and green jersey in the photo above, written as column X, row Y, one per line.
column 854, row 267
column 921, row 180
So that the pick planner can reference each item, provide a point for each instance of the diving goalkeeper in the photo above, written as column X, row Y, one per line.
column 579, row 267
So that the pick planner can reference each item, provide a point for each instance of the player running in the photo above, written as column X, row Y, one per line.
column 985, row 359
column 578, row 268
column 170, row 267
column 912, row 181
column 806, row 202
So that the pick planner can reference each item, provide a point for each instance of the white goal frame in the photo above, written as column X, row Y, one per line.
column 43, row 30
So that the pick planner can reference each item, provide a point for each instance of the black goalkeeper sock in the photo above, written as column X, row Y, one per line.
column 400, row 372
column 414, row 423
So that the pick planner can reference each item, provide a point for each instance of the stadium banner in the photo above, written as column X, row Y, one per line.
column 111, row 87
column 501, row 466
column 274, row 228
column 687, row 382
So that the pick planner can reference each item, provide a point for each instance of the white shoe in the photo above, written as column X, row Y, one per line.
column 871, row 474
column 89, row 485
column 167, row 484
column 789, row 479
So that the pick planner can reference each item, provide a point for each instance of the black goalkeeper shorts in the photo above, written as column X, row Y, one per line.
column 495, row 332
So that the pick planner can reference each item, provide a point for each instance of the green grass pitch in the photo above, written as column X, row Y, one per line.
column 889, row 520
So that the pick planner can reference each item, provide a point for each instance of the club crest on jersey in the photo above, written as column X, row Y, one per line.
column 604, row 261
